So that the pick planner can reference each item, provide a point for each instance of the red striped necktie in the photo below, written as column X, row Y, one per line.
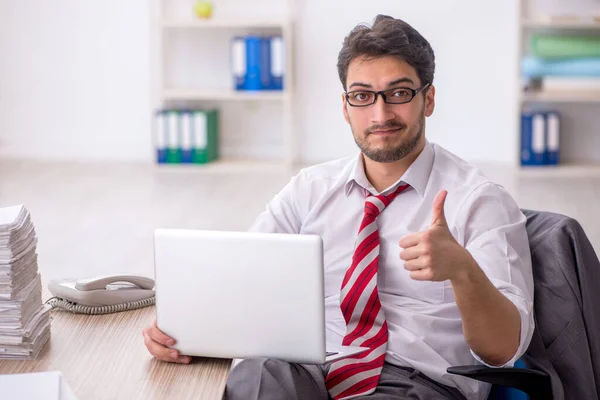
column 365, row 322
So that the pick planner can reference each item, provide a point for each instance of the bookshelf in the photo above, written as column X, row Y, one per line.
column 578, row 105
column 561, row 171
column 191, row 69
column 228, row 22
column 225, row 94
column 562, row 96
column 568, row 24
column 226, row 166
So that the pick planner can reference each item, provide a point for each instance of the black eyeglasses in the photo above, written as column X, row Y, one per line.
column 400, row 95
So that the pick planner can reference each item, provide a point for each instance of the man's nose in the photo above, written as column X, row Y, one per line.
column 382, row 111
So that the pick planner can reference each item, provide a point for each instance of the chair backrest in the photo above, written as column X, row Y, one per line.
column 566, row 275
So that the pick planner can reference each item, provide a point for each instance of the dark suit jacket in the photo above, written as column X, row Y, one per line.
column 566, row 275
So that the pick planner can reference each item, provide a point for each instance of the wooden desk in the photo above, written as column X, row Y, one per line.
column 104, row 357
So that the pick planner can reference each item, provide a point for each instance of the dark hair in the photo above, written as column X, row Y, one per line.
column 388, row 37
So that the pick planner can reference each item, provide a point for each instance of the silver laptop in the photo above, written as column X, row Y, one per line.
column 243, row 295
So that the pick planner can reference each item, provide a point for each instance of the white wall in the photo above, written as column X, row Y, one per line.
column 74, row 76
column 74, row 80
column 476, row 76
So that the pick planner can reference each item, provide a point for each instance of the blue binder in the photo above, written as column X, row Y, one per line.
column 265, row 63
column 185, row 123
column 238, row 62
column 533, row 138
column 253, row 61
column 277, row 62
column 552, row 155
column 161, row 137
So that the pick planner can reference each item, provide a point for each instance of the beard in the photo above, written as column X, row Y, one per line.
column 390, row 153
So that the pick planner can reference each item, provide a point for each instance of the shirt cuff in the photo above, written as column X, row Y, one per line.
column 525, row 309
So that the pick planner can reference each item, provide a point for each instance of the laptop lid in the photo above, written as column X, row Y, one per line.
column 241, row 294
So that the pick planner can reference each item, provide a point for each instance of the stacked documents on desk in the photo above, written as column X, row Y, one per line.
column 24, row 319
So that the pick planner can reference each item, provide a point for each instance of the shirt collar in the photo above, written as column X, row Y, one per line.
column 417, row 175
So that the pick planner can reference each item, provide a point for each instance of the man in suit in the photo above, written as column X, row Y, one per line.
column 427, row 261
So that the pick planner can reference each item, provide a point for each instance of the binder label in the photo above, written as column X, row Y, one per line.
column 553, row 132
column 161, row 131
column 186, row 131
column 277, row 58
column 538, row 144
column 238, row 57
column 200, row 134
column 173, row 130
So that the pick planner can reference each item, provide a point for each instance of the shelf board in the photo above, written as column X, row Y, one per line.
column 565, row 171
column 567, row 24
column 224, row 23
column 223, row 94
column 231, row 165
column 561, row 97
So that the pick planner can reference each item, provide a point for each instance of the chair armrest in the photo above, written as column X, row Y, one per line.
column 535, row 383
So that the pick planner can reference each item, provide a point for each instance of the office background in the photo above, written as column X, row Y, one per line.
column 80, row 82
column 76, row 76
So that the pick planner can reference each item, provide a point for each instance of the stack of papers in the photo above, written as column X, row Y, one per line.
column 24, row 319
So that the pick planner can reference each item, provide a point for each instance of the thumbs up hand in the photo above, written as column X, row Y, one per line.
column 434, row 254
column 438, row 216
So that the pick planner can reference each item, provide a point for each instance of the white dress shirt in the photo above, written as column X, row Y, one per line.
column 425, row 329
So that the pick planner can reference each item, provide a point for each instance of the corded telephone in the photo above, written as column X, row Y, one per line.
column 102, row 294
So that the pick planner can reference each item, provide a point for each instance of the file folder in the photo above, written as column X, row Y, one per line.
column 258, row 62
column 238, row 62
column 277, row 58
column 200, row 134
column 253, row 61
column 186, row 137
column 206, row 136
column 533, row 138
column 213, row 135
column 161, row 137
column 552, row 138
column 173, row 149
column 265, row 63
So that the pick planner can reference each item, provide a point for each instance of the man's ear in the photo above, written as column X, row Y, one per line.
column 345, row 108
column 430, row 101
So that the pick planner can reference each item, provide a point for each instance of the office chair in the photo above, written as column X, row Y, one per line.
column 563, row 358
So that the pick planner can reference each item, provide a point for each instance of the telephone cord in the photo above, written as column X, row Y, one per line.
column 62, row 304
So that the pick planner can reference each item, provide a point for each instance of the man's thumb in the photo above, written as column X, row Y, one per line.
column 438, row 216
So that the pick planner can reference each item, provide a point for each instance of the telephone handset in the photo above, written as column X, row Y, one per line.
column 102, row 282
column 102, row 294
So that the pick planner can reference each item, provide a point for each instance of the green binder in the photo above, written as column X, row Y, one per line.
column 565, row 46
column 206, row 136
